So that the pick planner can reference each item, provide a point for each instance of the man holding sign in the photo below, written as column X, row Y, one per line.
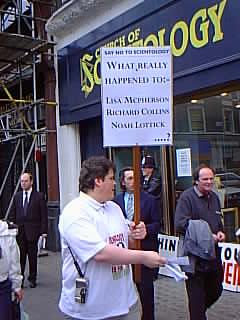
column 93, row 228
column 136, row 95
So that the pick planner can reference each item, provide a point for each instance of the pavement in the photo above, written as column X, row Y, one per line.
column 171, row 302
column 41, row 303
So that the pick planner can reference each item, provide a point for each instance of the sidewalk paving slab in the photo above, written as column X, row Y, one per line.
column 41, row 303
column 171, row 302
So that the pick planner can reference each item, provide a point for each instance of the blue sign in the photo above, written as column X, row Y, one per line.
column 203, row 36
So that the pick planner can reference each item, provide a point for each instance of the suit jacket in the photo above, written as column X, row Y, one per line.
column 150, row 214
column 35, row 222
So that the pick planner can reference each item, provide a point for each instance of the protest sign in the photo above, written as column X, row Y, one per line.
column 136, row 96
column 231, row 279
column 167, row 248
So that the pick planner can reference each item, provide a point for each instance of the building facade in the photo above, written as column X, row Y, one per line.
column 27, row 106
column 206, row 112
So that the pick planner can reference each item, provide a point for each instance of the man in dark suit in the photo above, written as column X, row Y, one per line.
column 29, row 212
column 150, row 215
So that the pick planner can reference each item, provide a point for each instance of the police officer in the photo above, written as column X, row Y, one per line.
column 150, row 182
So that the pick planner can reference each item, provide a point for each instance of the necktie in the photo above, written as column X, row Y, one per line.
column 130, row 207
column 25, row 204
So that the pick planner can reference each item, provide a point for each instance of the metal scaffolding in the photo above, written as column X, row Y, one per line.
column 22, row 119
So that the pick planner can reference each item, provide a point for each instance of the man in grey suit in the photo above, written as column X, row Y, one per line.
column 29, row 212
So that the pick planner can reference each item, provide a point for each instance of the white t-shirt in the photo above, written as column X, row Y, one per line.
column 87, row 226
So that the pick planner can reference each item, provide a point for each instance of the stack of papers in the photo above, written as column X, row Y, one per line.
column 172, row 266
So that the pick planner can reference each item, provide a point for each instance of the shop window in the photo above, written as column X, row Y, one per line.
column 213, row 138
column 228, row 120
column 91, row 138
column 196, row 119
column 181, row 123
column 231, row 223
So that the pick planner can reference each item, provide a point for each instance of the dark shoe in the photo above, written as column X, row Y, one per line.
column 32, row 284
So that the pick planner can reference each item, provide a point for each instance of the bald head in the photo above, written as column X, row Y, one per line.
column 26, row 181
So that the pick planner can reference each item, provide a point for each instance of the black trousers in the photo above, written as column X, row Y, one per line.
column 203, row 289
column 28, row 249
column 5, row 300
column 146, row 293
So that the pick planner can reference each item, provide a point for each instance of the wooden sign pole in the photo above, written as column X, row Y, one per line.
column 137, row 185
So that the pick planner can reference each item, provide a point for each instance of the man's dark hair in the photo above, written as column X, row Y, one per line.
column 197, row 170
column 122, row 176
column 92, row 168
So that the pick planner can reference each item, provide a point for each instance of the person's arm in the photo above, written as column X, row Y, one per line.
column 155, row 187
column 183, row 214
column 15, row 269
column 220, row 235
column 116, row 255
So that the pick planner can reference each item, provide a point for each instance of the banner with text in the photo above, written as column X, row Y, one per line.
column 231, row 279
column 168, row 248
column 136, row 96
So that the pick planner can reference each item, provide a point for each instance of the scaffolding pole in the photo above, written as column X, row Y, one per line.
column 34, row 99
column 16, row 51
column 9, row 167
column 19, row 179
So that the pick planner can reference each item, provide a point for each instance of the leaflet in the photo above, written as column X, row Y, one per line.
column 181, row 261
column 176, row 273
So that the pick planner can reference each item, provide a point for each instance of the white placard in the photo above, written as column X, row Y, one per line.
column 231, row 279
column 167, row 248
column 184, row 167
column 136, row 96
